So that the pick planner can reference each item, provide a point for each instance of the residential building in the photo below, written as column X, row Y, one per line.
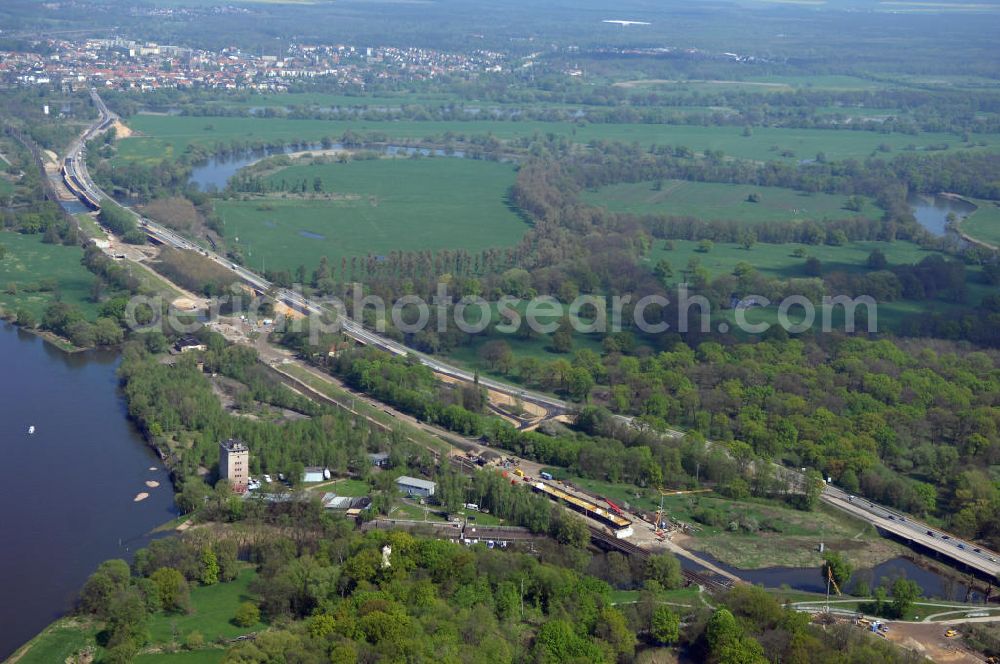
column 189, row 343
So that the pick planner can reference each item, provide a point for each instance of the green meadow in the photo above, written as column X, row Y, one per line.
column 383, row 102
column 212, row 610
column 207, row 656
column 326, row 100
column 6, row 187
column 753, row 84
column 778, row 261
column 537, row 346
column 376, row 207
column 712, row 201
column 167, row 136
column 57, row 642
column 984, row 223
column 29, row 263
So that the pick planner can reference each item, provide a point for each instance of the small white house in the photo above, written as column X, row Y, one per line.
column 316, row 474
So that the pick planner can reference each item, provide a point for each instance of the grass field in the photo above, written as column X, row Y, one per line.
column 785, row 536
column 680, row 597
column 89, row 226
column 389, row 102
column 58, row 642
column 212, row 612
column 713, row 201
column 754, row 84
column 984, row 223
column 207, row 656
column 166, row 136
column 29, row 261
column 6, row 186
column 405, row 512
column 329, row 100
column 538, row 346
column 776, row 260
column 382, row 206
column 349, row 488
column 213, row 608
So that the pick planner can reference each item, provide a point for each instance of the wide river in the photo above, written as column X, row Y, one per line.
column 67, row 491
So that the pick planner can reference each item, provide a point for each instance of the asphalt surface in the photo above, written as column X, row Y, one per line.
column 962, row 551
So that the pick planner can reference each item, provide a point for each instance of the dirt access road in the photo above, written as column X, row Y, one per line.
column 929, row 640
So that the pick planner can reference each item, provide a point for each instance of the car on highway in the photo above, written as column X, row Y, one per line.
column 961, row 546
column 931, row 533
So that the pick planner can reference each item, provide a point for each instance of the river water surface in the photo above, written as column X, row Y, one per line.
column 214, row 173
column 932, row 211
column 67, row 491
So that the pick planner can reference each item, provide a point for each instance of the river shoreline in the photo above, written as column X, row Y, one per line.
column 70, row 501
column 958, row 226
column 63, row 344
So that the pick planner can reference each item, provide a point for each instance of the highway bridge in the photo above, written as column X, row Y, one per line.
column 962, row 552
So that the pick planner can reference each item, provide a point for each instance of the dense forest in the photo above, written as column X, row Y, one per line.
column 328, row 594
column 175, row 407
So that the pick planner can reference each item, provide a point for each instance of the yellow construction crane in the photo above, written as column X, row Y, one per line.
column 672, row 492
column 830, row 581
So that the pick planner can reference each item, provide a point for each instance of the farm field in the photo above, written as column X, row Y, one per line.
column 713, row 201
column 984, row 223
column 165, row 136
column 30, row 261
column 381, row 206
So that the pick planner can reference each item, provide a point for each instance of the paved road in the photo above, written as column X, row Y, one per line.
column 908, row 528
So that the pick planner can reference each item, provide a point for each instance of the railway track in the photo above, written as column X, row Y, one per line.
column 606, row 541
